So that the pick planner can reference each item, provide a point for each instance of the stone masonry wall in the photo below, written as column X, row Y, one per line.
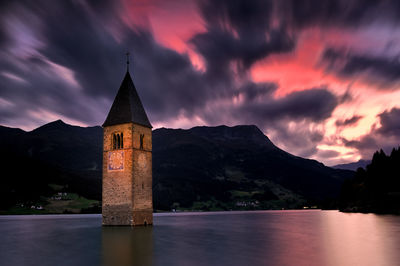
column 127, row 193
column 142, row 176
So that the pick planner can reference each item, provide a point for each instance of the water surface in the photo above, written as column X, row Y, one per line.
column 216, row 238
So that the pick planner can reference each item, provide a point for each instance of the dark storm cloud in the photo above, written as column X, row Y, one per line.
column 74, row 63
column 384, row 137
column 390, row 123
column 2, row 36
column 315, row 104
column 328, row 153
column 348, row 122
column 374, row 69
column 239, row 31
column 346, row 97
column 367, row 142
column 168, row 80
column 260, row 106
column 338, row 13
column 302, row 110
column 253, row 91
column 241, row 15
column 52, row 37
column 301, row 138
column 75, row 39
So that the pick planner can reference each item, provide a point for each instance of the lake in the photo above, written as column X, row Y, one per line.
column 309, row 237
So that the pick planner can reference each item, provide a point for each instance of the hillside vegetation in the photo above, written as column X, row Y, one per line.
column 202, row 168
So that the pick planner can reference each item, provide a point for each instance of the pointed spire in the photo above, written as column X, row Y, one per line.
column 127, row 106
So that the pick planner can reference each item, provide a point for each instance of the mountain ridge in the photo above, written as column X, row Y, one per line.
column 353, row 166
column 199, row 168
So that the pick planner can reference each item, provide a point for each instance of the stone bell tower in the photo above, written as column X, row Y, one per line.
column 127, row 160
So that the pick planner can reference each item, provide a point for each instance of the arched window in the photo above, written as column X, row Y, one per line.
column 114, row 142
column 117, row 141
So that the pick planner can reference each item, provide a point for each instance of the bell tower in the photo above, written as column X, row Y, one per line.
column 127, row 160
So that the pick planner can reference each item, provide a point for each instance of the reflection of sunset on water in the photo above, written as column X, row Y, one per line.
column 352, row 239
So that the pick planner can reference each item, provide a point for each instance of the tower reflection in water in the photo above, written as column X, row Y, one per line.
column 127, row 246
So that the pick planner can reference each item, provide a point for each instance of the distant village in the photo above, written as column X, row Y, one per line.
column 58, row 196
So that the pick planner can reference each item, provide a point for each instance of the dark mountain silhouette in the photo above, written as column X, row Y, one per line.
column 200, row 168
column 210, row 161
column 375, row 188
column 353, row 166
column 54, row 153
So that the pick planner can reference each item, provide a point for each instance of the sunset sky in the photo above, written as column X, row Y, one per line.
column 320, row 78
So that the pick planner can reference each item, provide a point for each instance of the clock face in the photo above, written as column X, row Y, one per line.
column 116, row 161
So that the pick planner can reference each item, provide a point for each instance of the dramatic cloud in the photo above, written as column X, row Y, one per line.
column 340, row 13
column 366, row 144
column 292, row 120
column 315, row 104
column 300, row 137
column 328, row 153
column 348, row 122
column 384, row 137
column 241, row 31
column 390, row 123
column 380, row 70
column 83, row 65
column 256, row 91
column 194, row 63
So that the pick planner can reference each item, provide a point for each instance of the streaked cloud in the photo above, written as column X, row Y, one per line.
column 305, row 72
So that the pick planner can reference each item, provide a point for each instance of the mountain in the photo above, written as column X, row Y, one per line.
column 56, row 153
column 210, row 162
column 199, row 168
column 66, row 146
column 353, row 166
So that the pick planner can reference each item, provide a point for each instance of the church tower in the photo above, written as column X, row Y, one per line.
column 127, row 160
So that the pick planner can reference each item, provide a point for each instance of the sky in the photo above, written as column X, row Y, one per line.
column 320, row 78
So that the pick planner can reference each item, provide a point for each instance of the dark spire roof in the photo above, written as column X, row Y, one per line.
column 127, row 106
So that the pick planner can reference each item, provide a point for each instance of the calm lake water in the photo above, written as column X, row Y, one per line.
column 216, row 238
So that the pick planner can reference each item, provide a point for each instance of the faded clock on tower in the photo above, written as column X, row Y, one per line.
column 115, row 160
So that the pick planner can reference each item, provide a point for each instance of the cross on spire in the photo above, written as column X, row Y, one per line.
column 127, row 61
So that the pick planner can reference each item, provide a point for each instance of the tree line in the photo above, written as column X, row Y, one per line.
column 376, row 188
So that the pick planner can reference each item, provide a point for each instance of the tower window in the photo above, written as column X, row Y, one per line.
column 117, row 141
column 114, row 141
column 141, row 141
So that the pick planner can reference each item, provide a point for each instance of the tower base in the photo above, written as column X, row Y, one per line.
column 123, row 215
